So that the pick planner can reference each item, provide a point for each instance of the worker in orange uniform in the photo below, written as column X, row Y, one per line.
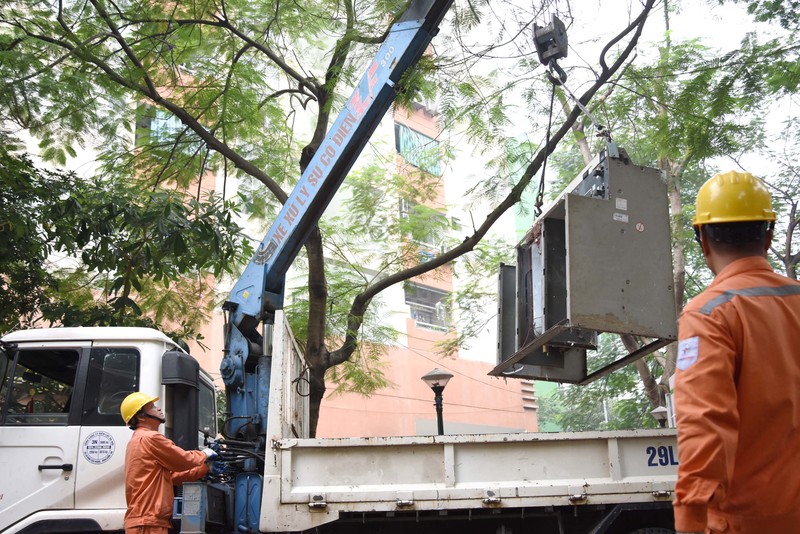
column 737, row 385
column 153, row 465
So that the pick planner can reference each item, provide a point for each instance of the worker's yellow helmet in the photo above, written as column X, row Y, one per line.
column 733, row 197
column 133, row 403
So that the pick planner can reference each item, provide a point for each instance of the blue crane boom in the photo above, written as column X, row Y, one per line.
column 258, row 293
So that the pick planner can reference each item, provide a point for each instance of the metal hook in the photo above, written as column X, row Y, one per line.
column 552, row 66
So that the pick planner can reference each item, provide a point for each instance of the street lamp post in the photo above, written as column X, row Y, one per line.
column 660, row 414
column 437, row 380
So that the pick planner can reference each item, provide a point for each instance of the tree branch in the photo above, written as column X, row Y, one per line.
column 134, row 59
column 150, row 92
column 223, row 22
column 361, row 301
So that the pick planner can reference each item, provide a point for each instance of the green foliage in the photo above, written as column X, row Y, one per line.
column 134, row 248
column 472, row 295
column 364, row 371
column 563, row 165
column 417, row 84
column 380, row 211
column 785, row 12
column 199, row 66
column 23, row 250
column 696, row 109
column 503, row 171
column 221, row 408
column 785, row 189
column 614, row 402
column 480, row 106
column 197, row 88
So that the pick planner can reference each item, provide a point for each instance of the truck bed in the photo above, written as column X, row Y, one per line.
column 313, row 481
column 310, row 482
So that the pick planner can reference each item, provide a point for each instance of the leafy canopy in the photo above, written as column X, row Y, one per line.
column 79, row 251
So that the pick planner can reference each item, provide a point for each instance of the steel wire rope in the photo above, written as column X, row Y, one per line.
column 537, row 207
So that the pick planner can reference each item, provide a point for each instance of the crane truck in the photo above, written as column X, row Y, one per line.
column 62, row 440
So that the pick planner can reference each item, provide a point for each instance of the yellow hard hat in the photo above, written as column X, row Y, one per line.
column 733, row 197
column 133, row 403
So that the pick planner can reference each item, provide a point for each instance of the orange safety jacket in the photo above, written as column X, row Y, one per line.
column 153, row 464
column 737, row 402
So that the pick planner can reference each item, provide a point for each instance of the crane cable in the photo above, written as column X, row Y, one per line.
column 558, row 77
column 537, row 207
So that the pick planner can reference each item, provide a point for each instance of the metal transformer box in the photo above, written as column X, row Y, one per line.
column 597, row 260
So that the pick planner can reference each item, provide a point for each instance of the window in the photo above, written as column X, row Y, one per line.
column 157, row 126
column 207, row 414
column 113, row 374
column 418, row 149
column 429, row 307
column 424, row 235
column 37, row 388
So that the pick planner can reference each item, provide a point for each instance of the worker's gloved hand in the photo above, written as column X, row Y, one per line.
column 216, row 468
column 210, row 454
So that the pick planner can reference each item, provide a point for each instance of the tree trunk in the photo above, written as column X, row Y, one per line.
column 790, row 260
column 678, row 266
column 651, row 389
column 316, row 379
column 316, row 353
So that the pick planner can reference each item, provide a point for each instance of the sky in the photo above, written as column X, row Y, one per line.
column 719, row 27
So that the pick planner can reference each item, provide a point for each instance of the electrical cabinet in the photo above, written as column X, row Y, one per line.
column 598, row 259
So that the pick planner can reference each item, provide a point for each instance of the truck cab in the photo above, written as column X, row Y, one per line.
column 62, row 439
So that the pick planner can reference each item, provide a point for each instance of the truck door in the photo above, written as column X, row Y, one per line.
column 111, row 374
column 38, row 445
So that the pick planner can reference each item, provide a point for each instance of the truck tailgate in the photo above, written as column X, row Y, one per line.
column 311, row 481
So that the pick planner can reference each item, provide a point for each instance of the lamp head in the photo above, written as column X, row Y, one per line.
column 437, row 378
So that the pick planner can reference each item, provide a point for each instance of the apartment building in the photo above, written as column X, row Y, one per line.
column 473, row 402
column 418, row 310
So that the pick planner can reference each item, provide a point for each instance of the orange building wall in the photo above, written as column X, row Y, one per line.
column 472, row 399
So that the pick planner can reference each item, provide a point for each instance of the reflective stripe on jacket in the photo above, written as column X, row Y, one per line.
column 737, row 401
column 153, row 464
